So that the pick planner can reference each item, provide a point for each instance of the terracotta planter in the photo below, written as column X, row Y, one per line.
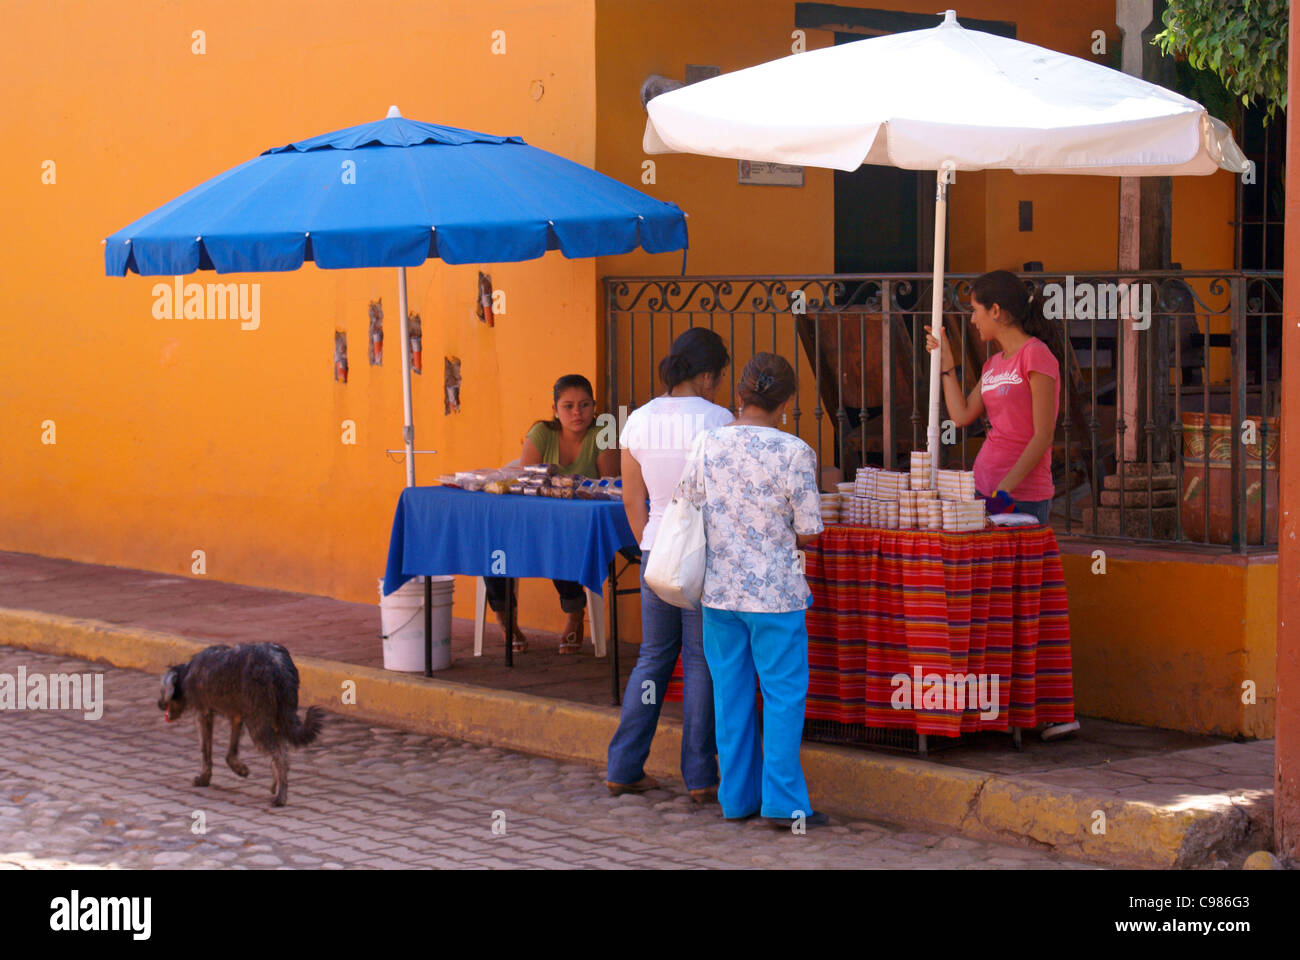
column 1219, row 486
column 1220, row 440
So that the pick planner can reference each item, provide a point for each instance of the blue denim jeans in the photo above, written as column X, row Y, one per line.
column 666, row 630
column 1042, row 509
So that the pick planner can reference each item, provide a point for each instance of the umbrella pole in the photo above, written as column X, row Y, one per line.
column 408, row 431
column 408, row 435
column 936, row 318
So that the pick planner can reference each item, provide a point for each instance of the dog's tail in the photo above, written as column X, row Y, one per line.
column 303, row 732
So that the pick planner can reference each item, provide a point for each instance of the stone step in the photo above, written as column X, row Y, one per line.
column 1164, row 523
column 1137, row 499
column 1136, row 477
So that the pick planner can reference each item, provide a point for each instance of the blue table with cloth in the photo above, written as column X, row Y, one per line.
column 439, row 531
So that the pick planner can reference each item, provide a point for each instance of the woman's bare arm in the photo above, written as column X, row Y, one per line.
column 634, row 495
column 608, row 462
column 531, row 454
column 961, row 410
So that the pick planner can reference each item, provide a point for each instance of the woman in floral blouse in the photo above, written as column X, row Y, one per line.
column 758, row 490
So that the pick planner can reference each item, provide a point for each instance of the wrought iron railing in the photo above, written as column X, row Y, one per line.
column 1188, row 385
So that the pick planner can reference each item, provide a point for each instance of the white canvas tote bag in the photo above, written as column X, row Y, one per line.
column 676, row 568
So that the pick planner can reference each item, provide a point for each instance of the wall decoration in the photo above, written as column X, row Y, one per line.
column 484, row 309
column 451, row 385
column 414, row 332
column 377, row 332
column 340, row 356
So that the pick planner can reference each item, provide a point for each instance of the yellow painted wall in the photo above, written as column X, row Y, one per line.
column 177, row 435
column 1169, row 644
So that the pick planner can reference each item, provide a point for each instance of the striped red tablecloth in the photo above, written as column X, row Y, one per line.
column 927, row 606
column 891, row 602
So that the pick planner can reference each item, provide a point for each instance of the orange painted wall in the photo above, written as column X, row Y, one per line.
column 177, row 435
column 186, row 434
column 1171, row 643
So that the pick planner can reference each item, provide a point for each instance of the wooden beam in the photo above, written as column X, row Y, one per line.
column 1286, row 745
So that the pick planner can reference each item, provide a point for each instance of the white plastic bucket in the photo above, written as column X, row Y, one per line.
column 401, row 617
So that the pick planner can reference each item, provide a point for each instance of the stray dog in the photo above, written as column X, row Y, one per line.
column 253, row 684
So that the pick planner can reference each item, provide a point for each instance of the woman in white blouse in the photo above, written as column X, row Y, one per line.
column 758, row 490
column 655, row 442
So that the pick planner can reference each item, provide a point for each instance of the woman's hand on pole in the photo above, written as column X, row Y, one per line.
column 962, row 410
column 945, row 360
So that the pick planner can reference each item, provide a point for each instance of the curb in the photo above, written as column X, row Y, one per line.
column 850, row 783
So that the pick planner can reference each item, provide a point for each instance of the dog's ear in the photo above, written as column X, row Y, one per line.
column 169, row 682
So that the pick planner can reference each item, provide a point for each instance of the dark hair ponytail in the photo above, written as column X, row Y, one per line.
column 767, row 381
column 566, row 382
column 698, row 350
column 1010, row 293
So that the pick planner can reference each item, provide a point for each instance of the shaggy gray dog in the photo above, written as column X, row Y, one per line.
column 253, row 685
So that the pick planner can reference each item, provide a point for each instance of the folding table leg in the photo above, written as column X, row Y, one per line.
column 922, row 745
column 510, row 623
column 612, row 639
column 428, row 626
column 1015, row 738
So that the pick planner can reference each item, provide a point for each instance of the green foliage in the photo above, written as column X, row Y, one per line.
column 1243, row 42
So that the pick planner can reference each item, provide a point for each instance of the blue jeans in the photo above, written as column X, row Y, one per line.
column 1042, row 509
column 759, row 774
column 665, row 631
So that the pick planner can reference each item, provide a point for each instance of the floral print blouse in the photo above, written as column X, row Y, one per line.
column 757, row 487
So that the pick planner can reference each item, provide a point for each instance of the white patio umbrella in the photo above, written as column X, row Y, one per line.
column 944, row 99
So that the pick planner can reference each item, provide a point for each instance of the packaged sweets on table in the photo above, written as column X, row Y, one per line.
column 920, row 469
column 956, row 484
column 962, row 515
column 933, row 515
column 472, row 479
column 865, row 482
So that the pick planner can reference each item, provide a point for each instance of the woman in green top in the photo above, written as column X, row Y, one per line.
column 569, row 441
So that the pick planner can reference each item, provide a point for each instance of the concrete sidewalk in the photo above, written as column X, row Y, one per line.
column 1118, row 794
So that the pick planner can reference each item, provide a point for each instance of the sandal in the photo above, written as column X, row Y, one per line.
column 571, row 641
column 520, row 642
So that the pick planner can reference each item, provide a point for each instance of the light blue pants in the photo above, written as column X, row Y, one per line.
column 759, row 774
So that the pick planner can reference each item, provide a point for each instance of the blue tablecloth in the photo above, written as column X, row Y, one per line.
column 444, row 530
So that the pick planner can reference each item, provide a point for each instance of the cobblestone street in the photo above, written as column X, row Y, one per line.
column 116, row 792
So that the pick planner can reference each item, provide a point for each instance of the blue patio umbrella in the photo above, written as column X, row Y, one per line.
column 394, row 193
